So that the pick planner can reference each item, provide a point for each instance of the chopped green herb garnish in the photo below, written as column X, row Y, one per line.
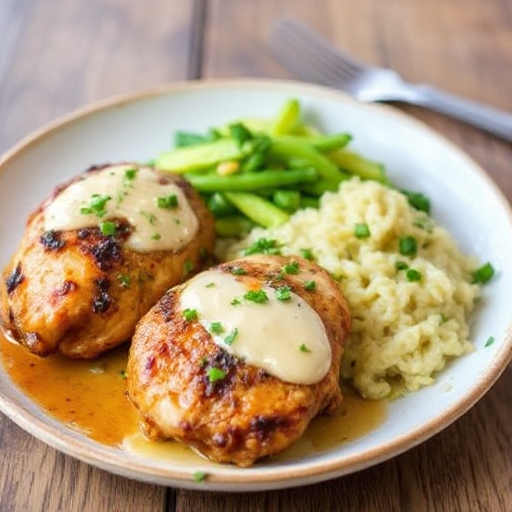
column 483, row 274
column 108, row 228
column 210, row 285
column 168, row 202
column 401, row 265
column 413, row 275
column 123, row 374
column 188, row 266
column 310, row 286
column 291, row 268
column 283, row 293
column 361, row 230
column 215, row 374
column 199, row 476
column 189, row 314
column 216, row 328
column 156, row 236
column 124, row 280
column 238, row 271
column 417, row 200
column 307, row 254
column 263, row 246
column 130, row 174
column 150, row 217
column 258, row 296
column 97, row 206
column 490, row 341
column 230, row 338
column 236, row 301
column 408, row 246
column 304, row 348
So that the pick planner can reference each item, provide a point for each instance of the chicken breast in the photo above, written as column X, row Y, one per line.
column 238, row 360
column 98, row 254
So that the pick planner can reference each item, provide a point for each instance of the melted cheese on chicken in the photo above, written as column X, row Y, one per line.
column 161, row 217
column 271, row 328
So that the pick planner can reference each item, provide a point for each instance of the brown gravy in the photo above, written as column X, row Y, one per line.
column 90, row 396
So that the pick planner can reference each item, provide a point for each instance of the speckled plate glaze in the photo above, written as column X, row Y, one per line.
column 137, row 127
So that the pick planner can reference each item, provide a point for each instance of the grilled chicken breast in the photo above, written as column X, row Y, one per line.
column 195, row 378
column 84, row 274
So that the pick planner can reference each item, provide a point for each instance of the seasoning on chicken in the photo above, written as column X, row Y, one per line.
column 98, row 254
column 238, row 360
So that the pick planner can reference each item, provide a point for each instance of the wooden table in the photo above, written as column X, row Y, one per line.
column 57, row 55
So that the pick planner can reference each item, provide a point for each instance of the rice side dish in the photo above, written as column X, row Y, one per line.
column 407, row 284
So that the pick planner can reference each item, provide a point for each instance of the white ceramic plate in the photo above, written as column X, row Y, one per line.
column 137, row 127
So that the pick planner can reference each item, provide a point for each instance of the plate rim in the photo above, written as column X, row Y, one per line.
column 234, row 479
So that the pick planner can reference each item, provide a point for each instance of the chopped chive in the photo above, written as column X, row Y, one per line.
column 310, row 286
column 97, row 206
column 215, row 374
column 156, row 236
column 189, row 314
column 199, row 476
column 124, row 280
column 361, row 230
column 307, row 254
column 123, row 374
column 216, row 328
column 483, row 274
column 304, row 348
column 108, row 228
column 490, row 341
column 408, row 246
column 230, row 338
column 170, row 201
column 188, row 266
column 413, row 275
column 401, row 265
column 417, row 200
column 263, row 246
column 238, row 271
column 130, row 174
column 150, row 217
column 258, row 296
column 291, row 268
column 283, row 293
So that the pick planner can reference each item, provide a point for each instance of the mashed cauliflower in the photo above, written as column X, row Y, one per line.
column 409, row 311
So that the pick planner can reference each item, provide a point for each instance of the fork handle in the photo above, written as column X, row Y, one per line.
column 486, row 118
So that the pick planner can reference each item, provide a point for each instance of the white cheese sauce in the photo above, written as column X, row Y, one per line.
column 159, row 213
column 286, row 338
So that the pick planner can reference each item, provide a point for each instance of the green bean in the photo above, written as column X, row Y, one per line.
column 359, row 165
column 297, row 147
column 287, row 200
column 200, row 156
column 318, row 187
column 327, row 143
column 233, row 226
column 219, row 205
column 287, row 119
column 256, row 208
column 209, row 183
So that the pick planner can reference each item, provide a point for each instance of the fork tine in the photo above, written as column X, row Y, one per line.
column 309, row 56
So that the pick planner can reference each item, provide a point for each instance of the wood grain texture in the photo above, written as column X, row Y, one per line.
column 57, row 55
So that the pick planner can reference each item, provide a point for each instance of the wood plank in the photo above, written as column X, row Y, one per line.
column 73, row 53
column 60, row 55
column 467, row 466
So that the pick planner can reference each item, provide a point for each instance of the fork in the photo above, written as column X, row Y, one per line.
column 313, row 59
